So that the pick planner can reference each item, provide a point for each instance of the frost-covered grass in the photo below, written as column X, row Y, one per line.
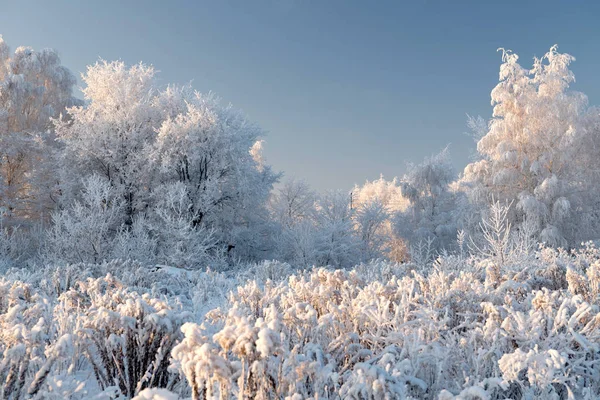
column 463, row 327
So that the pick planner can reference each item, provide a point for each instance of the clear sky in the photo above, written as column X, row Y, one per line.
column 346, row 90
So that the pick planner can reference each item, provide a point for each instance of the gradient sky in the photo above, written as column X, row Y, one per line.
column 345, row 90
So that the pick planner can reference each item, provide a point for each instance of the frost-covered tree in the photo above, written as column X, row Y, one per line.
column 315, row 229
column 210, row 149
column 532, row 148
column 142, row 139
column 376, row 204
column 180, row 241
column 292, row 209
column 34, row 87
column 388, row 193
column 85, row 230
column 430, row 217
column 111, row 135
column 294, row 201
column 372, row 223
column 338, row 241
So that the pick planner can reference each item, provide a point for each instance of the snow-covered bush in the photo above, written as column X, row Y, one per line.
column 30, row 348
column 464, row 326
column 126, row 337
column 388, row 331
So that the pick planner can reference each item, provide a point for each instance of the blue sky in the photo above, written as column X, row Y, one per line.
column 346, row 90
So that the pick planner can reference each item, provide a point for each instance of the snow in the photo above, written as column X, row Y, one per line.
column 145, row 254
column 156, row 394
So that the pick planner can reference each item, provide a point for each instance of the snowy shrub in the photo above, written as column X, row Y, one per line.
column 463, row 327
column 29, row 346
column 126, row 337
column 388, row 331
column 380, row 270
column 331, row 328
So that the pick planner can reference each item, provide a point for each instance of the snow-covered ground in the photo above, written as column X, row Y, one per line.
column 463, row 326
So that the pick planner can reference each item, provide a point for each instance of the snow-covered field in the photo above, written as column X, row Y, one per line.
column 437, row 285
column 462, row 326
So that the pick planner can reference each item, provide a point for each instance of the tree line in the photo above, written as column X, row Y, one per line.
column 168, row 175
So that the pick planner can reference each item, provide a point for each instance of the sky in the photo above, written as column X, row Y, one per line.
column 345, row 90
